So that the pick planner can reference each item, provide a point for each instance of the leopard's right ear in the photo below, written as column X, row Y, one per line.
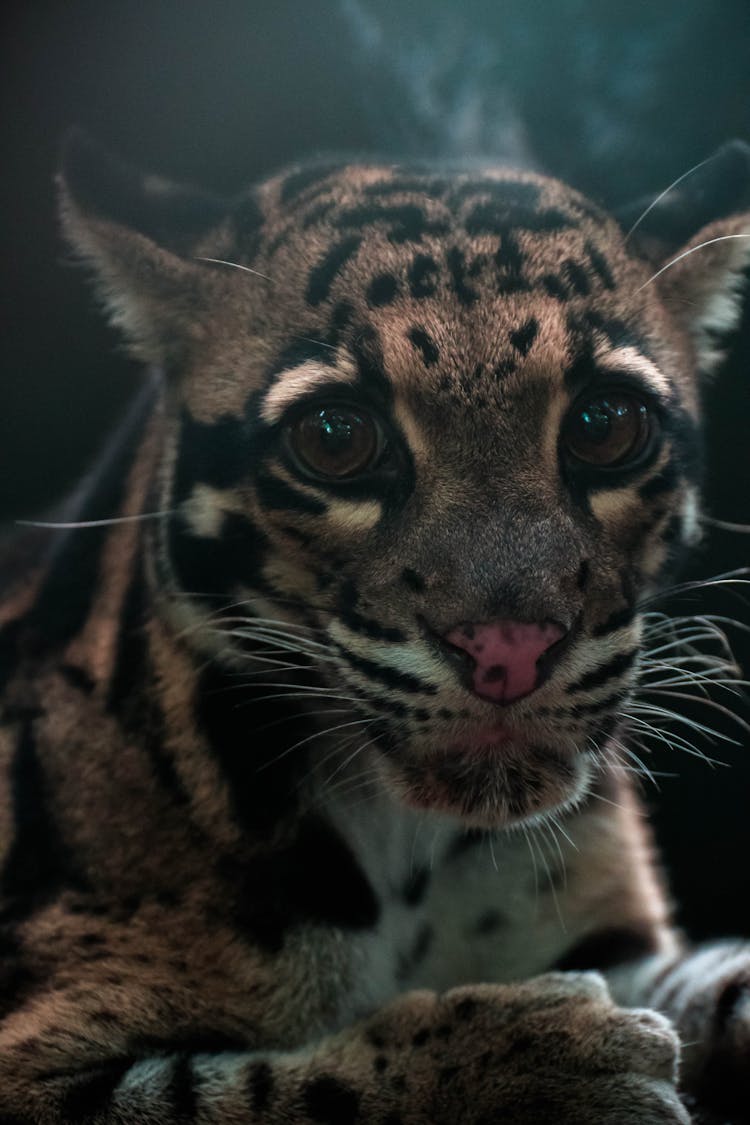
column 137, row 233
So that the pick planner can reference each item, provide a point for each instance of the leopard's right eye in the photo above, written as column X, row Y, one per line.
column 335, row 442
column 608, row 432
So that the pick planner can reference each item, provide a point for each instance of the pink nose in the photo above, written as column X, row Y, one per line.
column 505, row 655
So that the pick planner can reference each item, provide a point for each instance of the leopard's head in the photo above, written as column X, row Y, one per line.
column 432, row 441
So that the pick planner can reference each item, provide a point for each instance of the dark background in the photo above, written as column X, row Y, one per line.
column 618, row 98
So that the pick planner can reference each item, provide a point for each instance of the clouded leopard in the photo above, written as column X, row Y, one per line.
column 314, row 799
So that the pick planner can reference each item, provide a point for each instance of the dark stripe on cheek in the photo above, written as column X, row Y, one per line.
column 323, row 275
column 425, row 345
column 216, row 453
column 210, row 566
column 385, row 674
column 371, row 628
column 663, row 481
column 617, row 620
column 599, row 676
column 275, row 493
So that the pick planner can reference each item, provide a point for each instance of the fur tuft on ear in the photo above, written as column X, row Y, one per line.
column 704, row 285
column 696, row 235
column 133, row 231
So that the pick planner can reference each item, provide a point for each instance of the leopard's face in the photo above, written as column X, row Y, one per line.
column 450, row 445
column 431, row 444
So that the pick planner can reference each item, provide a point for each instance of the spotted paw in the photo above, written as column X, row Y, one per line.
column 552, row 1049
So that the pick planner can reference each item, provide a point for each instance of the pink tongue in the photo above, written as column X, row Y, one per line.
column 506, row 655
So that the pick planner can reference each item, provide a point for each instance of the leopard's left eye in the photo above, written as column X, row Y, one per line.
column 335, row 442
column 610, row 431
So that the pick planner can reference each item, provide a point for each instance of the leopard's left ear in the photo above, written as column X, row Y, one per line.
column 137, row 233
column 696, row 238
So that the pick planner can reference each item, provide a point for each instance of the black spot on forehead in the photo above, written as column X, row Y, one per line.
column 458, row 270
column 425, row 345
column 599, row 266
column 382, row 289
column 409, row 222
column 368, row 355
column 423, row 275
column 496, row 216
column 323, row 275
column 522, row 338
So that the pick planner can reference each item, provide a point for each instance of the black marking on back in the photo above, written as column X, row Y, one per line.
column 64, row 600
column 39, row 863
column 323, row 275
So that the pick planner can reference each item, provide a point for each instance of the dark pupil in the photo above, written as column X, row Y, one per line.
column 335, row 432
column 596, row 420
column 335, row 442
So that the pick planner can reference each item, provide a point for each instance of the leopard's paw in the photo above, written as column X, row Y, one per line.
column 552, row 1049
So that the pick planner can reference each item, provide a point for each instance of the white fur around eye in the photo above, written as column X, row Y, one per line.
column 295, row 384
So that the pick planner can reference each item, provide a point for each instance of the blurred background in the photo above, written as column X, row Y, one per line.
column 619, row 98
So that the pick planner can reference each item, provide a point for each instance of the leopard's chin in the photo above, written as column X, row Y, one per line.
column 488, row 783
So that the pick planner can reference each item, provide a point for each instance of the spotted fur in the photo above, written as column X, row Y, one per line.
column 264, row 854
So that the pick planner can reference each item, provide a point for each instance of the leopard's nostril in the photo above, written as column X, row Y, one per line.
column 506, row 655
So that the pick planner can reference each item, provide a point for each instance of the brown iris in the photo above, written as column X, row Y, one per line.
column 608, row 431
column 335, row 442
